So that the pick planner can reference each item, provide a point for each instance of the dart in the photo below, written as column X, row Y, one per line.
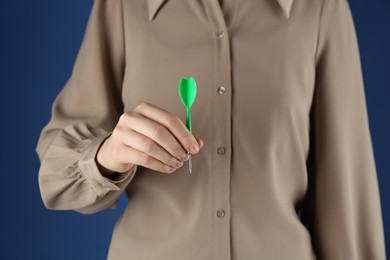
column 187, row 92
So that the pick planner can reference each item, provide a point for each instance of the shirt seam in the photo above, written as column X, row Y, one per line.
column 233, row 22
column 320, row 19
column 214, row 42
column 123, row 37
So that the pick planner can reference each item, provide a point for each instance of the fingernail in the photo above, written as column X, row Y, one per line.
column 194, row 148
column 171, row 169
column 185, row 157
column 178, row 164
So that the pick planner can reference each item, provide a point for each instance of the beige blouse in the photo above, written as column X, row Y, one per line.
column 280, row 107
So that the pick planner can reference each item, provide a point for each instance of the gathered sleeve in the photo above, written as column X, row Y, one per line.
column 83, row 116
column 342, row 209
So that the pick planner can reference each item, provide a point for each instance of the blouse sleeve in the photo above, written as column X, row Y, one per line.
column 342, row 210
column 83, row 116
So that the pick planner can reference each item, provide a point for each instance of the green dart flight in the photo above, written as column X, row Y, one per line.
column 187, row 92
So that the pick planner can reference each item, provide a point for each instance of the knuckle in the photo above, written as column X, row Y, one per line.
column 171, row 159
column 189, row 138
column 126, row 118
column 143, row 105
column 159, row 132
column 119, row 129
column 169, row 122
column 150, row 146
column 178, row 120
column 123, row 117
column 178, row 151
column 146, row 160
column 172, row 121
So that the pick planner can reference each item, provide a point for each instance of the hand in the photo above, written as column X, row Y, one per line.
column 148, row 136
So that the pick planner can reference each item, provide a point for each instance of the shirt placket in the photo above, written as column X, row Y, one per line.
column 221, row 132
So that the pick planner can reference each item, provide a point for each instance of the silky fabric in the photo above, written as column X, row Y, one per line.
column 287, row 170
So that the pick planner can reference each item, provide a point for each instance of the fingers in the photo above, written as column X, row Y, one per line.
column 151, row 137
column 173, row 124
column 158, row 136
column 200, row 142
column 137, row 157
column 149, row 147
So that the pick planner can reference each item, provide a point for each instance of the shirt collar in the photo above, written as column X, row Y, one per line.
column 154, row 6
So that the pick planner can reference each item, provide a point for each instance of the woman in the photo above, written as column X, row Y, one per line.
column 280, row 114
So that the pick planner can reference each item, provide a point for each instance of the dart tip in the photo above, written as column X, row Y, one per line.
column 190, row 164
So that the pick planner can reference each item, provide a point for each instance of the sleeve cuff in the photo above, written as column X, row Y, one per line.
column 88, row 167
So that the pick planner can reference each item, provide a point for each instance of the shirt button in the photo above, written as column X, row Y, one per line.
column 221, row 34
column 220, row 213
column 221, row 90
column 221, row 150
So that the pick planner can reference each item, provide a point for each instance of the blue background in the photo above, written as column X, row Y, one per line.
column 39, row 41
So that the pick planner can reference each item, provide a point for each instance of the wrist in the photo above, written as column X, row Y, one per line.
column 99, row 160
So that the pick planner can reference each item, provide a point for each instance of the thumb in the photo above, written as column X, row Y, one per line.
column 200, row 142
